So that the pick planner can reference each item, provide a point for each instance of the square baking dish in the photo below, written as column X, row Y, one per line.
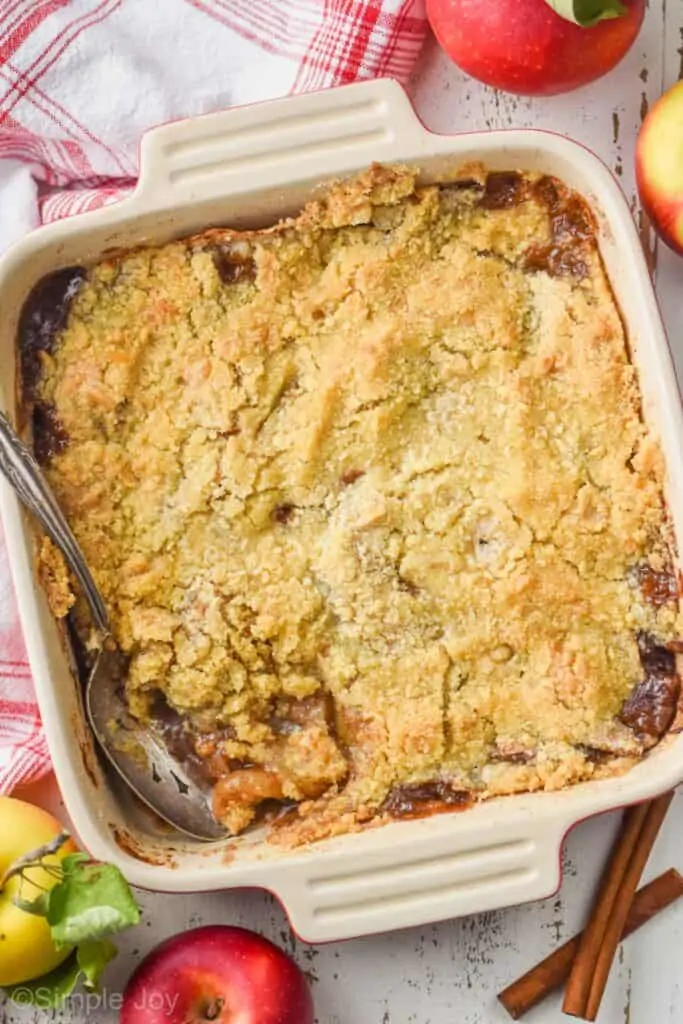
column 248, row 167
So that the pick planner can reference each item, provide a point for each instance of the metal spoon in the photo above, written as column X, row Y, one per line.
column 134, row 749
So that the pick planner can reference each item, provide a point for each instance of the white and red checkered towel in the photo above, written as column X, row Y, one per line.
column 81, row 80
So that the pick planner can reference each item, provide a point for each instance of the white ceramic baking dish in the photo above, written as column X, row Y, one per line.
column 248, row 167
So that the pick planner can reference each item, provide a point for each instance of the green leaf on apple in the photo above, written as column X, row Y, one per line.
column 72, row 860
column 89, row 902
column 92, row 901
column 93, row 956
column 588, row 12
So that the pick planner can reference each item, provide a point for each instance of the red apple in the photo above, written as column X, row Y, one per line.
column 659, row 166
column 219, row 973
column 523, row 46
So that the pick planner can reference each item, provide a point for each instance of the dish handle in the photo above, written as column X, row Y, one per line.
column 430, row 878
column 247, row 148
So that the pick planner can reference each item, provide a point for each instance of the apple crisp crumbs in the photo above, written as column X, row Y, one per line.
column 369, row 497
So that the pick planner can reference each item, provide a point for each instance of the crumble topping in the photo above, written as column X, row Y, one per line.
column 369, row 498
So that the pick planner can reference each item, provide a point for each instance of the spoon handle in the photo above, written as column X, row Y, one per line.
column 25, row 476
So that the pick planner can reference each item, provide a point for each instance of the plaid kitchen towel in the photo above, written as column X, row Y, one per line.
column 81, row 80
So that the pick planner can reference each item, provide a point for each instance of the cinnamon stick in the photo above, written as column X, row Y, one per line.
column 543, row 979
column 599, row 942
column 580, row 978
column 653, row 823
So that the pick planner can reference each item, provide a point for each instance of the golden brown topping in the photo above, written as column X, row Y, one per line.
column 364, row 496
column 54, row 577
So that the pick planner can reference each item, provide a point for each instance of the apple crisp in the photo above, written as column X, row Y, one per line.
column 369, row 497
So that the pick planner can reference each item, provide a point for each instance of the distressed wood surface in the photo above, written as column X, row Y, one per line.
column 450, row 973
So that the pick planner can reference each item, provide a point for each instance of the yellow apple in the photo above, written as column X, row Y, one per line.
column 26, row 949
column 659, row 166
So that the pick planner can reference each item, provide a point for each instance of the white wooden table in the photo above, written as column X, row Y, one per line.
column 450, row 973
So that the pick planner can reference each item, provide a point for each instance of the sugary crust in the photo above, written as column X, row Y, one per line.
column 54, row 578
column 389, row 451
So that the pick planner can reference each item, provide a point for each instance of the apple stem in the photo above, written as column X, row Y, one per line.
column 213, row 1009
column 33, row 858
